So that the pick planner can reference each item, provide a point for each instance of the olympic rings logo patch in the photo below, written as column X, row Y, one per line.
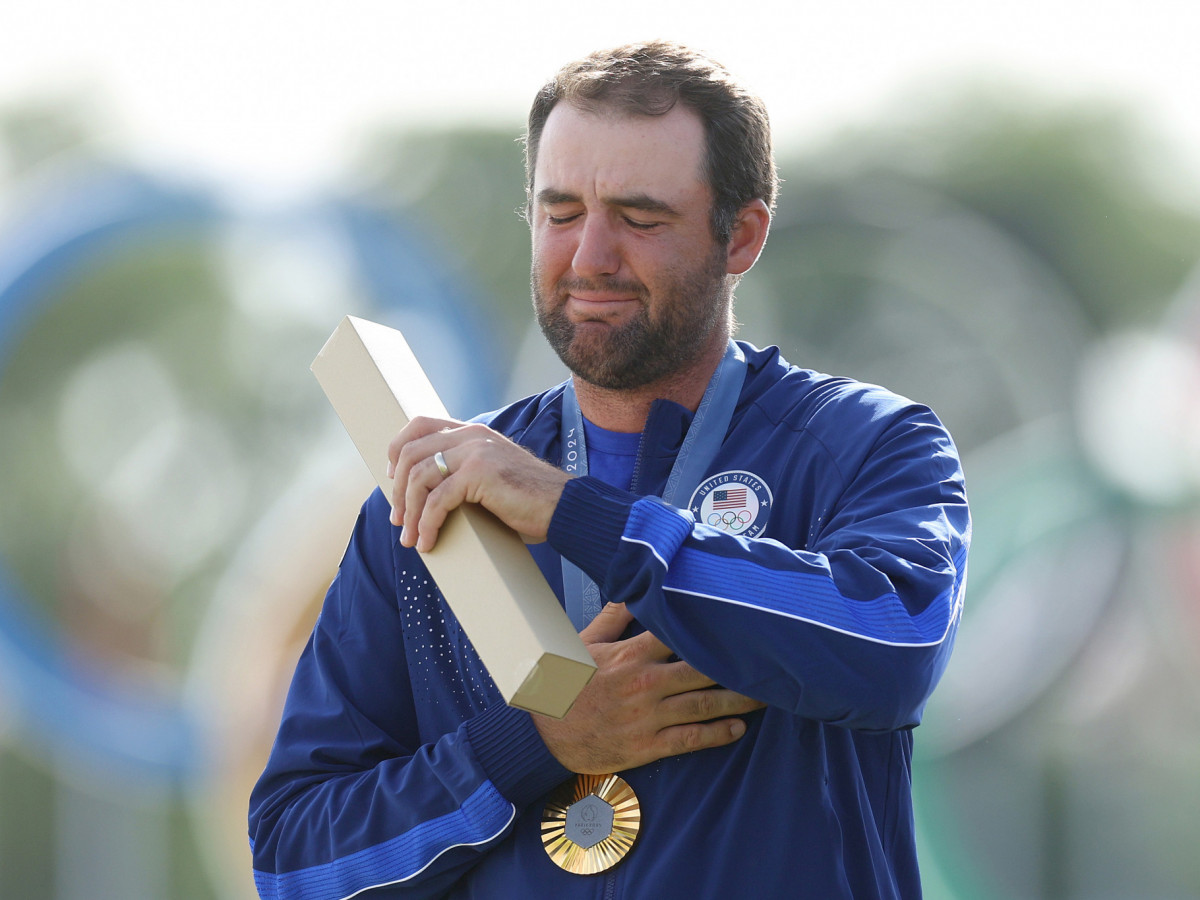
column 735, row 502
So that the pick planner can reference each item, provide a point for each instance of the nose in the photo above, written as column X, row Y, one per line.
column 598, row 251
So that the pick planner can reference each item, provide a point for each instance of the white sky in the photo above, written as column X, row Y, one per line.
column 271, row 92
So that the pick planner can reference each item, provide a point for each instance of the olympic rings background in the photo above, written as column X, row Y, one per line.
column 138, row 692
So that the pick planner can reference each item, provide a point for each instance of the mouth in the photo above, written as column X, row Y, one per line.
column 598, row 307
column 604, row 302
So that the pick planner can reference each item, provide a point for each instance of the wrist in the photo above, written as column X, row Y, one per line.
column 512, row 753
column 588, row 522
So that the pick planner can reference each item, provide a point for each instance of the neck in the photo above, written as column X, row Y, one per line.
column 627, row 410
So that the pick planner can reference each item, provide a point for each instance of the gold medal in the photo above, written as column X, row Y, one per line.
column 590, row 824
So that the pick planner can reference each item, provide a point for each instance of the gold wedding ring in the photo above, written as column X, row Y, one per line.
column 440, row 462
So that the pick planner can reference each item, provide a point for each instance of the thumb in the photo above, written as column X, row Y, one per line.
column 608, row 626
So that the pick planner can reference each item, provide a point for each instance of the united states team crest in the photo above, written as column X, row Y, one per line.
column 735, row 502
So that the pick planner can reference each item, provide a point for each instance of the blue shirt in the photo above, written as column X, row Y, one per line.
column 611, row 455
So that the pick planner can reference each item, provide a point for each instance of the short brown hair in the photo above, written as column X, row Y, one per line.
column 649, row 80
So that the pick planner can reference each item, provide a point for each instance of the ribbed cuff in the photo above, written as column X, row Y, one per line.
column 512, row 753
column 588, row 523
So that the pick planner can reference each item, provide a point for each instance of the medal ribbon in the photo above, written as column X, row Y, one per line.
column 700, row 446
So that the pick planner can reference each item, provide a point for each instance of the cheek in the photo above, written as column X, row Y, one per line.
column 542, row 276
column 552, row 251
column 545, row 275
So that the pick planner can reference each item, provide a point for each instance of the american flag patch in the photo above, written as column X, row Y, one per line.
column 729, row 498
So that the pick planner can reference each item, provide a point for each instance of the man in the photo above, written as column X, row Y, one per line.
column 766, row 634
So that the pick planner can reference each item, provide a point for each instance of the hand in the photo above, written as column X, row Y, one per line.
column 640, row 706
column 485, row 468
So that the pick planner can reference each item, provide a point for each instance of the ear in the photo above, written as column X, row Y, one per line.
column 749, row 235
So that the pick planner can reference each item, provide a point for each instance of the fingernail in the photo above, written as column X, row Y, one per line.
column 737, row 728
column 391, row 469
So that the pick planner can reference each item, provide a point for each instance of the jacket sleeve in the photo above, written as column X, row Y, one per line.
column 352, row 798
column 854, row 629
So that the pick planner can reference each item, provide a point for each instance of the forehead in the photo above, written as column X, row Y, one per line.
column 605, row 153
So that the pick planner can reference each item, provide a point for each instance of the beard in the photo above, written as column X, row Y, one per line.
column 662, row 338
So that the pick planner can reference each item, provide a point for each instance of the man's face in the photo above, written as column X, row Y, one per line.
column 628, row 283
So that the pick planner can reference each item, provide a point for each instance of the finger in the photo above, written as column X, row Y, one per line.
column 401, row 466
column 410, row 487
column 405, row 450
column 681, row 739
column 418, row 427
column 428, row 499
column 643, row 655
column 708, row 704
column 608, row 625
column 680, row 677
column 416, row 473
column 655, row 648
column 440, row 502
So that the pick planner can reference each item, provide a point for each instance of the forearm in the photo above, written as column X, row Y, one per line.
column 372, row 781
column 415, row 823
column 856, row 635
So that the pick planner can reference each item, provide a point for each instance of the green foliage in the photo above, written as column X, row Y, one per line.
column 464, row 189
column 1084, row 184
column 35, row 131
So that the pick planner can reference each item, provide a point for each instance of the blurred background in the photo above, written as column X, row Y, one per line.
column 994, row 210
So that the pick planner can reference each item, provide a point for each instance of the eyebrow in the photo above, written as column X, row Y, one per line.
column 640, row 202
